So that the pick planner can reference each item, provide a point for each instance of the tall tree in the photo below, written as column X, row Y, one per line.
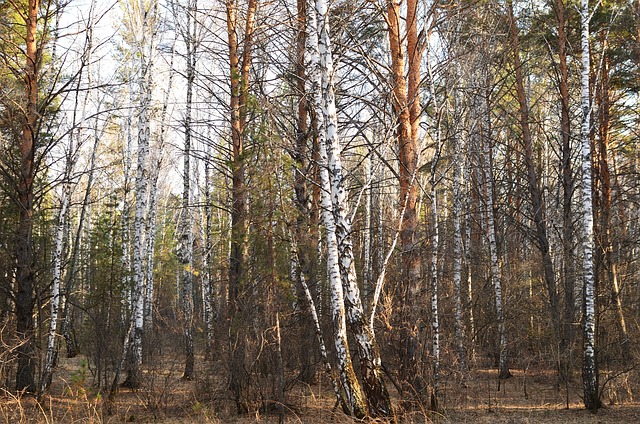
column 144, row 16
column 533, row 181
column 239, row 68
column 185, row 251
column 405, row 79
column 567, row 196
column 321, row 81
column 25, row 272
column 590, row 363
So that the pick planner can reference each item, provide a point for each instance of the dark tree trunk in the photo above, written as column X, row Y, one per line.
column 24, row 244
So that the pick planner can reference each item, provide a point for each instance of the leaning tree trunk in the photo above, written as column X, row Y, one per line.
column 63, row 219
column 537, row 201
column 590, row 363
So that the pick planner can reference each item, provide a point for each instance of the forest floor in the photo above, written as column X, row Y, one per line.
column 527, row 397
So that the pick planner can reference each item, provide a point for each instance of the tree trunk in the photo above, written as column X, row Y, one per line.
column 496, row 275
column 320, row 71
column 207, row 283
column 145, row 47
column 185, row 251
column 590, row 363
column 25, row 273
column 239, row 85
column 604, row 230
column 459, row 333
column 537, row 201
column 568, row 188
column 406, row 110
column 369, row 354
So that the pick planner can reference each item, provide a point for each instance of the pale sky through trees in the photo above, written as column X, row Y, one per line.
column 395, row 205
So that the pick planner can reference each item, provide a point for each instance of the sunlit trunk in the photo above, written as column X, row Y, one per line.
column 590, row 364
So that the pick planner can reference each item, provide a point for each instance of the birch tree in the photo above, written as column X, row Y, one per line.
column 185, row 249
column 62, row 227
column 590, row 363
column 145, row 20
column 373, row 384
column 320, row 81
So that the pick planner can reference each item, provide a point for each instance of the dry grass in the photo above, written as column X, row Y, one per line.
column 525, row 398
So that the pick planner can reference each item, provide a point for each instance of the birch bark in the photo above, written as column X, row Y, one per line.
column 590, row 363
column 153, row 203
column 185, row 250
column 324, row 104
column 63, row 219
column 459, row 333
column 145, row 46
column 370, row 364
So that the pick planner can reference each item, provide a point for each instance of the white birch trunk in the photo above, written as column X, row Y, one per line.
column 145, row 47
column 65, row 200
column 435, row 317
column 318, row 59
column 125, row 259
column 457, row 259
column 298, row 275
column 185, row 248
column 207, row 281
column 55, row 285
column 367, row 273
column 467, row 255
column 370, row 363
column 435, row 245
column 590, row 365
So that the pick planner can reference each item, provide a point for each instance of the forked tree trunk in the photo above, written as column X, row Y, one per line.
column 369, row 354
column 406, row 109
column 324, row 105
